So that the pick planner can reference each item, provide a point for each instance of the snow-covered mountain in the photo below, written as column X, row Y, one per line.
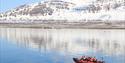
column 70, row 10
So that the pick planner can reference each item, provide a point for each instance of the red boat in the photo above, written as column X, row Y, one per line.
column 87, row 60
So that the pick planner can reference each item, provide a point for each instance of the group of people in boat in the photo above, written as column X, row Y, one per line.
column 85, row 59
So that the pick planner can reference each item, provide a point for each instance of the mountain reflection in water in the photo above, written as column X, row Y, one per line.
column 72, row 42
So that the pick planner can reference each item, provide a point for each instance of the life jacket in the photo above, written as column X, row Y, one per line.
column 82, row 61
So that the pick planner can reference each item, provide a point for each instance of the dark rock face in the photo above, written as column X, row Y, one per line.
column 41, row 10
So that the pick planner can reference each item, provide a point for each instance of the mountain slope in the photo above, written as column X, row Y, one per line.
column 70, row 10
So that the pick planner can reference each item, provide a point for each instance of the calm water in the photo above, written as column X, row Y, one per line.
column 27, row 45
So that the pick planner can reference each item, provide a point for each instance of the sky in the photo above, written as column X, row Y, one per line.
column 10, row 4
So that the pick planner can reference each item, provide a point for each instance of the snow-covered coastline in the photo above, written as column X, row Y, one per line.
column 66, row 25
column 67, row 11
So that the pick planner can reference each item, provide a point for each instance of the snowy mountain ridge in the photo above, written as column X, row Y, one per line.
column 70, row 10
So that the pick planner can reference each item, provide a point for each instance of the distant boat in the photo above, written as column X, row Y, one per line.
column 87, row 60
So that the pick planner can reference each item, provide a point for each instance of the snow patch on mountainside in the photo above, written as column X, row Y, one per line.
column 70, row 10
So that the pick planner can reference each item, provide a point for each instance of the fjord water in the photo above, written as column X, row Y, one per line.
column 28, row 45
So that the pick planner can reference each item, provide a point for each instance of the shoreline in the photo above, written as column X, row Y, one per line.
column 63, row 25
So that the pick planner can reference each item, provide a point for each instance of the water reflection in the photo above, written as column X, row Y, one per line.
column 68, row 41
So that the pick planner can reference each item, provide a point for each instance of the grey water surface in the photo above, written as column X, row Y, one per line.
column 29, row 45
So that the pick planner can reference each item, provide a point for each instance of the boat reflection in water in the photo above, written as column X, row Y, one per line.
column 61, row 45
